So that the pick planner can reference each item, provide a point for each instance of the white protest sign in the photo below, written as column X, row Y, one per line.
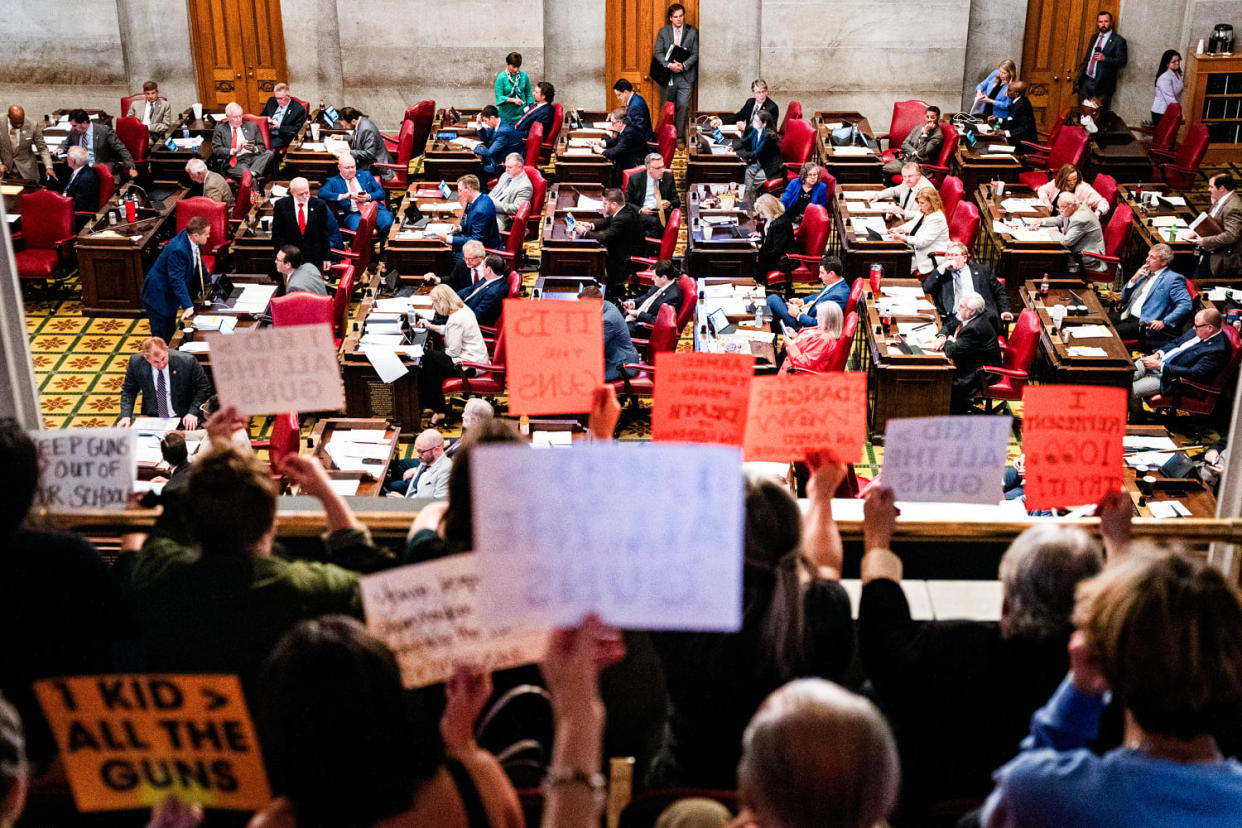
column 85, row 468
column 277, row 370
column 946, row 459
column 648, row 536
column 428, row 616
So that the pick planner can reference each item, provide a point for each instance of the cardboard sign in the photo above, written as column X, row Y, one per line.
column 701, row 398
column 85, row 468
column 648, row 536
column 947, row 459
column 428, row 615
column 129, row 741
column 1072, row 436
column 278, row 370
column 555, row 352
column 791, row 414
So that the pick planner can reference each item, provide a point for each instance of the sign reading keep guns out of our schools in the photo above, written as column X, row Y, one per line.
column 85, row 468
column 129, row 741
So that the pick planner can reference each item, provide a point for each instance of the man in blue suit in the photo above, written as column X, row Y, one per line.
column 346, row 193
column 801, row 314
column 83, row 184
column 618, row 347
column 1198, row 356
column 635, row 108
column 1154, row 299
column 496, row 140
column 478, row 221
column 487, row 297
column 177, row 275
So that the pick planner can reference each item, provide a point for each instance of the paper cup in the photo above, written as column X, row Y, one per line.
column 198, row 111
column 315, row 132
column 1000, row 188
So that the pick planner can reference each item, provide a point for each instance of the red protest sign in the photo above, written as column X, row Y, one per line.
column 555, row 352
column 1072, row 436
column 701, row 398
column 791, row 414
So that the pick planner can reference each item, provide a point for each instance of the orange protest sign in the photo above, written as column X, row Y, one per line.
column 129, row 741
column 791, row 414
column 701, row 398
column 1072, row 436
column 555, row 352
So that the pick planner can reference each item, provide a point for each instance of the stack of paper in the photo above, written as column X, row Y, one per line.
column 158, row 426
column 1130, row 442
column 1020, row 205
column 467, row 143
column 345, row 488
column 580, row 142
column 861, row 224
column 1146, row 460
column 351, row 453
column 441, row 207
column 1087, row 351
column 436, row 228
column 388, row 366
column 1166, row 221
column 279, row 191
column 880, row 207
column 851, row 151
column 188, row 143
column 397, row 304
column 147, row 450
column 209, row 322
column 1002, row 148
column 195, row 347
column 1176, row 201
column 254, row 298
column 1167, row 509
column 588, row 203
column 1088, row 331
column 551, row 439
column 577, row 151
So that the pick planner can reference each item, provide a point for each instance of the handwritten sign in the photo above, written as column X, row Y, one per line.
column 701, row 398
column 792, row 414
column 277, row 370
column 947, row 459
column 1072, row 435
column 556, row 355
column 85, row 468
column 129, row 741
column 648, row 536
column 428, row 616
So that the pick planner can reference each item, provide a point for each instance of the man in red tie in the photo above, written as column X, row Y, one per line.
column 302, row 221
column 1106, row 54
column 238, row 146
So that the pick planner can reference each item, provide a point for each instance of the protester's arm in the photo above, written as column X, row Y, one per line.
column 821, row 541
column 1115, row 511
column 605, row 411
column 879, row 521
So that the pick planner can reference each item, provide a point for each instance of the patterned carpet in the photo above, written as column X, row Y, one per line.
column 79, row 362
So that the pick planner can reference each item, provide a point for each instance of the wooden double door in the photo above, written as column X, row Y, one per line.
column 239, row 51
column 632, row 26
column 1056, row 37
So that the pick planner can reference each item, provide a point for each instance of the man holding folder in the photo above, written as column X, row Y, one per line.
column 675, row 63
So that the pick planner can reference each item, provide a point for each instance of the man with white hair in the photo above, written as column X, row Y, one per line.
column 1154, row 301
column 969, row 340
column 214, row 185
column 237, row 145
column 477, row 412
column 83, row 184
column 512, row 190
column 904, row 192
column 1080, row 232
column 347, row 192
column 467, row 271
column 303, row 222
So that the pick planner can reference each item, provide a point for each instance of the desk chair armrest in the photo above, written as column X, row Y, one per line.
column 346, row 232
column 653, row 242
column 1102, row 257
column 1181, row 384
column 1043, row 149
column 1161, row 154
column 397, row 168
column 346, row 253
column 492, row 182
column 489, row 330
column 219, row 248
column 68, row 241
column 640, row 366
column 805, row 259
column 643, row 260
column 1005, row 372
column 936, row 168
column 481, row 366
column 795, row 370
column 504, row 254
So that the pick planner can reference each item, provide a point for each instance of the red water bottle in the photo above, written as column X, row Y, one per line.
column 1043, row 286
column 131, row 210
column 876, row 273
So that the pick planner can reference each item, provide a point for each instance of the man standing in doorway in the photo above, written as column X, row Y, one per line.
column 682, row 73
column 1106, row 55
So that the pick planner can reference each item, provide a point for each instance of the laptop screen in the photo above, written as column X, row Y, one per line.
column 444, row 190
column 719, row 319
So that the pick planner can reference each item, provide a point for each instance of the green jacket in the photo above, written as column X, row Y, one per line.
column 513, row 87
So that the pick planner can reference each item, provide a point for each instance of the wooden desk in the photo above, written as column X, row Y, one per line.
column 976, row 166
column 573, row 167
column 408, row 252
column 564, row 254
column 202, row 306
column 329, row 427
column 718, row 252
column 112, row 269
column 562, row 287
column 899, row 384
column 366, row 395
column 1010, row 259
column 303, row 159
column 169, row 165
column 764, row 352
column 1056, row 363
column 702, row 167
column 856, row 251
column 445, row 161
column 1114, row 151
column 1192, row 492
column 845, row 168
column 1145, row 234
column 252, row 243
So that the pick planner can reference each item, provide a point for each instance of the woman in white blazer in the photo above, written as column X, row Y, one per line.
column 461, row 342
column 927, row 232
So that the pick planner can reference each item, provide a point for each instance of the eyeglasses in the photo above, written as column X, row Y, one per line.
column 1204, row 325
column 422, row 451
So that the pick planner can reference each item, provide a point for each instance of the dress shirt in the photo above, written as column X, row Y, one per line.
column 1165, row 356
column 353, row 187
column 146, row 114
column 155, row 383
column 476, row 274
column 652, row 299
column 1100, row 41
column 412, row 489
column 15, row 136
column 652, row 198
column 1216, row 208
column 1135, row 308
column 962, row 285
column 88, row 142
column 276, row 117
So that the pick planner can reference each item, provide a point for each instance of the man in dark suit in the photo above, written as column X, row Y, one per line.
column 496, row 140
column 921, row 145
column 367, row 144
column 83, row 184
column 467, row 271
column 487, row 297
column 956, row 277
column 682, row 74
column 478, row 220
column 665, row 291
column 1021, row 121
column 626, row 148
column 635, row 107
column 100, row 142
column 747, row 118
column 303, row 222
column 285, row 116
column 237, row 145
column 654, row 192
column 1198, row 355
column 969, row 340
column 173, row 384
column 1106, row 55
column 799, row 313
column 543, row 112
column 176, row 279
column 620, row 231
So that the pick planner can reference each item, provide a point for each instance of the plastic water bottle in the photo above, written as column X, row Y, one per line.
column 854, row 135
column 185, row 129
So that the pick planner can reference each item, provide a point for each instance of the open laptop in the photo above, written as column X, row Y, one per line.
column 224, row 293
column 719, row 321
column 414, row 218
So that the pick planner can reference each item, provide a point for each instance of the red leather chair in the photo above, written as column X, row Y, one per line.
column 1017, row 354
column 1068, row 148
column 951, row 192
column 1202, row 398
column 810, row 237
column 285, row 440
column 107, row 186
column 666, row 144
column 1163, row 134
column 421, row 115
column 793, row 112
column 46, row 236
column 906, row 116
column 548, row 146
column 405, row 151
column 241, row 201
column 1050, row 136
column 856, row 289
column 663, row 339
column 667, row 111
column 262, row 125
column 538, row 200
column 340, row 303
column 834, row 360
column 1106, row 186
column 136, row 137
column 1180, row 169
column 534, row 144
column 685, row 311
column 217, row 215
column 359, row 252
column 796, row 146
column 964, row 224
column 1116, row 234
column 937, row 172
column 489, row 377
column 128, row 100
column 515, row 237
column 302, row 308
column 515, row 290
column 625, row 175
column 667, row 245
column 1192, row 290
